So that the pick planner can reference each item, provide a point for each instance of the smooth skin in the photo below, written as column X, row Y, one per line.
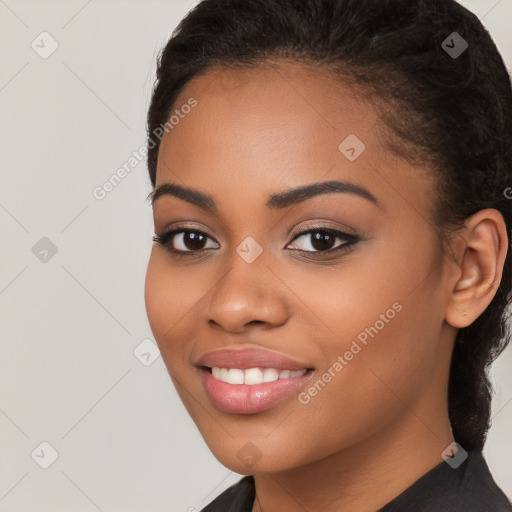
column 381, row 422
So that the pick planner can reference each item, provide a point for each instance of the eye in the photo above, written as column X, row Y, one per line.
column 182, row 241
column 187, row 242
column 323, row 240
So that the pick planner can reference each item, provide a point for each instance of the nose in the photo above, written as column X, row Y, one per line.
column 248, row 294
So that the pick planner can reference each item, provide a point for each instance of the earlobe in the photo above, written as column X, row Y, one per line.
column 480, row 267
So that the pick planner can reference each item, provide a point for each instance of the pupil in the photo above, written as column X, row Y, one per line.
column 193, row 241
column 322, row 241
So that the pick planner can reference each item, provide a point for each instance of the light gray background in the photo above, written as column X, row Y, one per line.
column 68, row 374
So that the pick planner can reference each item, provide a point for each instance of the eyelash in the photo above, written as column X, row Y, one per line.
column 166, row 237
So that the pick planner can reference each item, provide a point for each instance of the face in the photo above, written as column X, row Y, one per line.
column 345, row 283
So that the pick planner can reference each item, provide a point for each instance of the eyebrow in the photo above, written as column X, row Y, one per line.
column 278, row 200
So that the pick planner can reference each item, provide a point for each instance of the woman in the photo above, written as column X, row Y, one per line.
column 331, row 273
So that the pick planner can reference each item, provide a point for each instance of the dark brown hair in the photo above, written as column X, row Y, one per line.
column 453, row 112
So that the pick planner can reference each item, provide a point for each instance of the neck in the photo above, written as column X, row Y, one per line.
column 364, row 477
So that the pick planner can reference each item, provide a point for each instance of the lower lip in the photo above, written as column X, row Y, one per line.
column 250, row 399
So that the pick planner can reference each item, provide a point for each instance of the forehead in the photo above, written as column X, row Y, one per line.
column 266, row 115
column 273, row 127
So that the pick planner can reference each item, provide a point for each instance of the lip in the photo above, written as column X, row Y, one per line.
column 250, row 399
column 250, row 358
column 245, row 398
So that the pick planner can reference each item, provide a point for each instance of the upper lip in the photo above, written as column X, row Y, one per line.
column 249, row 358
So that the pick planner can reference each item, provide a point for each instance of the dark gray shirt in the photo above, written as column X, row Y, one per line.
column 467, row 488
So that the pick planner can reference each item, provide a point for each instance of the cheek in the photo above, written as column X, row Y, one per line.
column 155, row 296
column 386, row 362
column 380, row 349
column 165, row 305
column 174, row 298
column 367, row 389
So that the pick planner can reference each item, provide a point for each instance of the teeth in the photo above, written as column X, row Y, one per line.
column 235, row 376
column 253, row 375
column 270, row 375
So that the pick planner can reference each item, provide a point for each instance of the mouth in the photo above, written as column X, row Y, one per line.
column 251, row 390
column 253, row 376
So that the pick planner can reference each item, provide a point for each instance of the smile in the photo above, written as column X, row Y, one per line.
column 252, row 376
column 245, row 391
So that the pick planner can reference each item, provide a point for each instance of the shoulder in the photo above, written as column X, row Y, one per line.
column 237, row 498
column 479, row 492
column 469, row 487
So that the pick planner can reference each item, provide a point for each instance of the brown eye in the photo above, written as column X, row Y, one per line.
column 190, row 240
column 324, row 240
column 183, row 240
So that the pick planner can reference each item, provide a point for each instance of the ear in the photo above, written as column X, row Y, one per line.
column 482, row 248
